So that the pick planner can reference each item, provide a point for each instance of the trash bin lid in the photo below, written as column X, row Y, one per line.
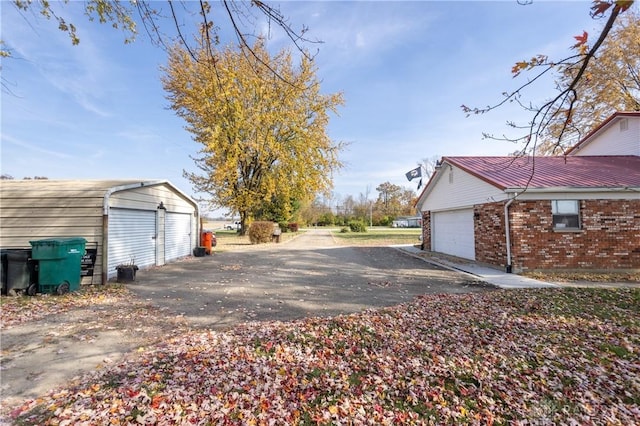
column 59, row 241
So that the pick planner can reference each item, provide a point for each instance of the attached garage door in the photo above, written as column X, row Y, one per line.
column 453, row 233
column 131, row 236
column 177, row 237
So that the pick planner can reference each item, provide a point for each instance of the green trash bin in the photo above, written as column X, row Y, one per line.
column 59, row 263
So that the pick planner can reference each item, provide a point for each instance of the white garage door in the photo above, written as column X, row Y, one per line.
column 131, row 235
column 177, row 237
column 453, row 233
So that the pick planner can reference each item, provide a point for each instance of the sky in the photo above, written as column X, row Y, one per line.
column 98, row 111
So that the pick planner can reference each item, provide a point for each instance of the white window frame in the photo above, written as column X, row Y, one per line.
column 565, row 214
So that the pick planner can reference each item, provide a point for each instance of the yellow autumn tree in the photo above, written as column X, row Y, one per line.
column 611, row 83
column 261, row 121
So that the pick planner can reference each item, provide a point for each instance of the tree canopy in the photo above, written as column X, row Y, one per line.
column 394, row 200
column 263, row 134
column 163, row 25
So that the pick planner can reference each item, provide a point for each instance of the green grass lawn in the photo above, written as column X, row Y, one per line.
column 379, row 236
column 230, row 238
column 375, row 236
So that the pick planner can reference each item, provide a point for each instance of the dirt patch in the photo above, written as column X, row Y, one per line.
column 39, row 355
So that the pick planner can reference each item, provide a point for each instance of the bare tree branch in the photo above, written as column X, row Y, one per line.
column 564, row 102
column 569, row 93
column 120, row 16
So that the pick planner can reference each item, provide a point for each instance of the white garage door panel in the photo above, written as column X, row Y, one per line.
column 131, row 235
column 177, row 242
column 453, row 233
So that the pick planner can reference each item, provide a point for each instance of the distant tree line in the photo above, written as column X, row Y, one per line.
column 393, row 201
column 9, row 177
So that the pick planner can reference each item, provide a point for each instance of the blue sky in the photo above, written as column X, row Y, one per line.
column 97, row 110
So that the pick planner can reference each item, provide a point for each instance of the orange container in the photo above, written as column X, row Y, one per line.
column 206, row 241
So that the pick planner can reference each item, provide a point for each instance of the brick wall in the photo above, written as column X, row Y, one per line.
column 426, row 230
column 609, row 237
column 489, row 234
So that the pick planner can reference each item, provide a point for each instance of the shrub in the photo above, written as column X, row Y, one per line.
column 344, row 230
column 386, row 221
column 357, row 226
column 260, row 232
column 284, row 226
column 293, row 227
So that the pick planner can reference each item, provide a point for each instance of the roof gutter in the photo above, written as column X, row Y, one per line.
column 571, row 189
column 507, row 232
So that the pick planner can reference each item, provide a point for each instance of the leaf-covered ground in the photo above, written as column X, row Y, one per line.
column 547, row 356
column 18, row 310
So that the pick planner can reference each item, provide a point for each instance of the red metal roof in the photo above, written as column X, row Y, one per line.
column 553, row 172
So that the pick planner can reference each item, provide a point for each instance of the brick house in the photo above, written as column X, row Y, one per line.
column 579, row 211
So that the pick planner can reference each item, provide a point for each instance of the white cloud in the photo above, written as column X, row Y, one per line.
column 33, row 148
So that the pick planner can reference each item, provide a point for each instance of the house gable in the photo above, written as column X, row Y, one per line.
column 618, row 135
column 453, row 187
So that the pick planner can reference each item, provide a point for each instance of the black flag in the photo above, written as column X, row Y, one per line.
column 417, row 172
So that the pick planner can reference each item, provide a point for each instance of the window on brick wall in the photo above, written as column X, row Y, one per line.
column 566, row 214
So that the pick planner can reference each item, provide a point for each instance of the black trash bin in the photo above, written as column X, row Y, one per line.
column 20, row 271
column 126, row 273
column 3, row 270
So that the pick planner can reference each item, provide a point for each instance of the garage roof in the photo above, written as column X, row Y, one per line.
column 593, row 172
column 74, row 188
column 77, row 185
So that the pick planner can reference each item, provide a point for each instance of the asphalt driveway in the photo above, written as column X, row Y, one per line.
column 310, row 275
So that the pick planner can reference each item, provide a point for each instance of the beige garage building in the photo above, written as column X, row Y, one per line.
column 147, row 222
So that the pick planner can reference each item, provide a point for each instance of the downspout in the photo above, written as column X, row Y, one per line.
column 105, row 254
column 508, row 233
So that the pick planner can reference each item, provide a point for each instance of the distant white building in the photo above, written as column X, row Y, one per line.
column 407, row 222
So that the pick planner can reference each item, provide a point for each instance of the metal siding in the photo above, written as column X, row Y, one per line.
column 131, row 237
column 149, row 197
column 613, row 141
column 453, row 233
column 177, row 237
column 37, row 209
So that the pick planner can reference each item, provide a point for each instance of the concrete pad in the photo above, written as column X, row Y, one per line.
column 489, row 275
